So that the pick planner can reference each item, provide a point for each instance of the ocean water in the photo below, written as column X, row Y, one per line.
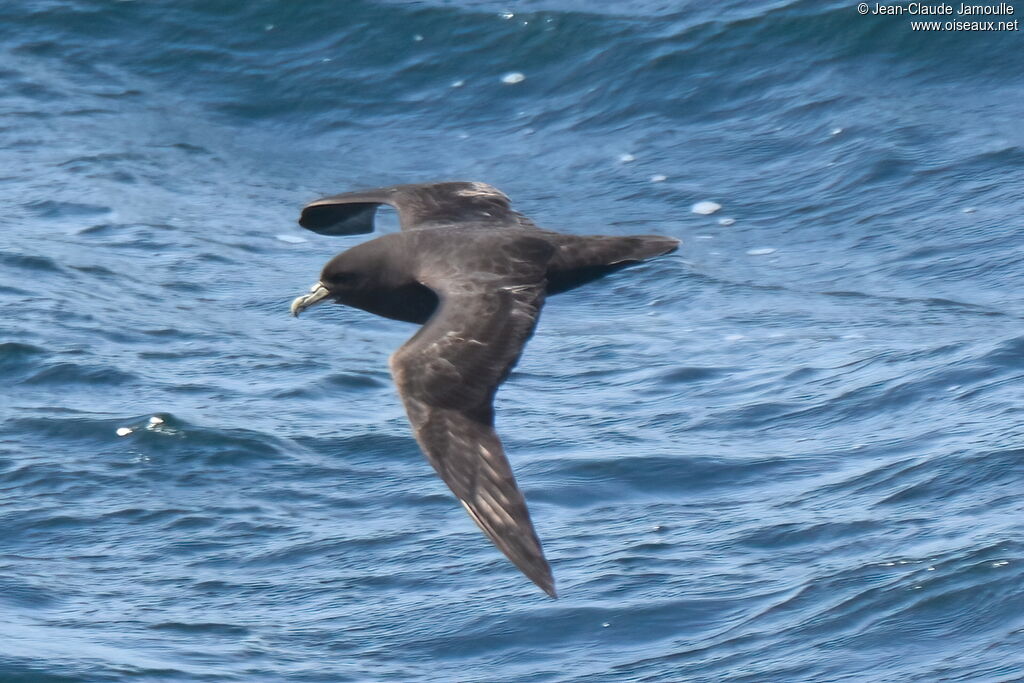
column 792, row 451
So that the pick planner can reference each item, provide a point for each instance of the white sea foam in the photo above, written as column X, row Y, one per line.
column 705, row 208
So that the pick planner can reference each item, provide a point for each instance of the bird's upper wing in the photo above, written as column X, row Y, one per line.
column 419, row 205
column 448, row 373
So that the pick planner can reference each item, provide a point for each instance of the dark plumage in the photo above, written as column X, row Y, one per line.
column 475, row 273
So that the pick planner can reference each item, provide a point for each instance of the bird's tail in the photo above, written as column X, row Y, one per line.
column 580, row 259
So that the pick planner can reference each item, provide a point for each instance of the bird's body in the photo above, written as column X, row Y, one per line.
column 475, row 274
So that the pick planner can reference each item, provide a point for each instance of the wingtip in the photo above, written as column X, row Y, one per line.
column 338, row 216
column 546, row 582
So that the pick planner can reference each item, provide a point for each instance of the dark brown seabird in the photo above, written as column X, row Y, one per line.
column 475, row 274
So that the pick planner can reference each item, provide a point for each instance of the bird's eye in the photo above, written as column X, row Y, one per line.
column 340, row 279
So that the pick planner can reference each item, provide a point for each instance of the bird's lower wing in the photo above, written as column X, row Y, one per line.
column 468, row 456
column 447, row 375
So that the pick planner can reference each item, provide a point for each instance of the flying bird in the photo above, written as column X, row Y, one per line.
column 474, row 273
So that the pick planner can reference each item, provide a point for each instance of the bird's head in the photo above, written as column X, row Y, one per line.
column 342, row 275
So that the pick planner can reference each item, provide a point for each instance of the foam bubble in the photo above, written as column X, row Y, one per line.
column 626, row 158
column 513, row 77
column 705, row 208
column 291, row 239
column 658, row 178
column 726, row 222
column 763, row 251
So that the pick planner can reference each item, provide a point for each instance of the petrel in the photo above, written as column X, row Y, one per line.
column 474, row 273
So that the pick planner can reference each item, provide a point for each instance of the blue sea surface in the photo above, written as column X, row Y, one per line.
column 792, row 451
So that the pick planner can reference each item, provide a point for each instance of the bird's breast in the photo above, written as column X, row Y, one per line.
column 411, row 303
